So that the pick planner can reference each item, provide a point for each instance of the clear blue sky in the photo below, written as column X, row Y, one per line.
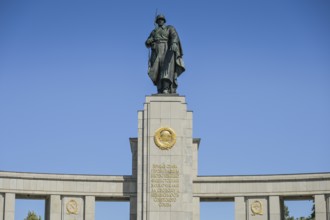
column 74, row 73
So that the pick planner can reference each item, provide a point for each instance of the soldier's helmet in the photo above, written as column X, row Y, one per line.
column 160, row 17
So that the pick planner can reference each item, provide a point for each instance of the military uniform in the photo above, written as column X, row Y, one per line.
column 165, row 62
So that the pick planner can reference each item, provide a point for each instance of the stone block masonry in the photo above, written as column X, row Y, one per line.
column 164, row 184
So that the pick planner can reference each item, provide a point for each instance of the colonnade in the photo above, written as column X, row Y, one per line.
column 269, row 190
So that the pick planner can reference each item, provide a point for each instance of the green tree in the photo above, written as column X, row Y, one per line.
column 287, row 214
column 312, row 216
column 32, row 216
column 288, row 217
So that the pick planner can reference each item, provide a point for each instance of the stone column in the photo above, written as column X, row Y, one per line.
column 196, row 203
column 133, row 208
column 133, row 142
column 320, row 207
column 89, row 207
column 328, row 207
column 53, row 211
column 274, row 208
column 9, row 213
column 240, row 208
column 165, row 168
column 2, row 204
column 196, row 142
column 133, row 199
column 141, row 171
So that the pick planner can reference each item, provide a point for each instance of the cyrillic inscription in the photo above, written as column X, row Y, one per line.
column 165, row 183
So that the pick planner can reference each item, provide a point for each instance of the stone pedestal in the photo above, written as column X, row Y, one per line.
column 165, row 154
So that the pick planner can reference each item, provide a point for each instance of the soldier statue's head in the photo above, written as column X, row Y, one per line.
column 160, row 17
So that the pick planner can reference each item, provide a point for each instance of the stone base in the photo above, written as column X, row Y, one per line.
column 165, row 170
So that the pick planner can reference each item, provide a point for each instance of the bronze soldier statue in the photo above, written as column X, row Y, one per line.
column 165, row 62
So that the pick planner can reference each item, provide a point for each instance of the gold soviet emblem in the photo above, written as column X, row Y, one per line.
column 72, row 207
column 165, row 138
column 256, row 208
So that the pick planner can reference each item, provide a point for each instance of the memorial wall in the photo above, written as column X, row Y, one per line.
column 164, row 182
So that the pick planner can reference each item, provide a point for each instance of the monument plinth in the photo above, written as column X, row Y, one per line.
column 166, row 159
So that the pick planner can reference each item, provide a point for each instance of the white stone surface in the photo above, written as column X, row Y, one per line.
column 262, row 185
column 65, row 184
column 328, row 207
column 54, row 211
column 274, row 208
column 196, row 208
column 320, row 207
column 2, row 204
column 240, row 208
column 171, row 112
column 89, row 208
column 9, row 206
column 274, row 186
